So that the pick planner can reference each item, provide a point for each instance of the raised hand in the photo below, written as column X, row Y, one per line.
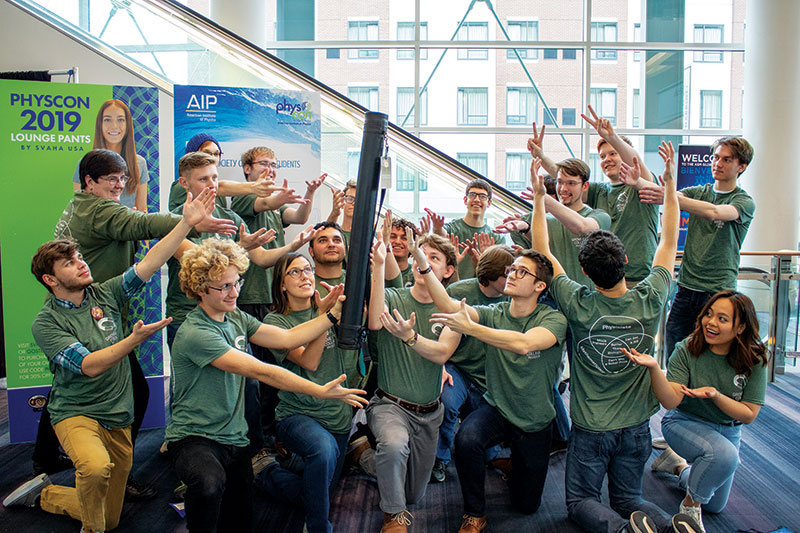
column 397, row 325
column 651, row 194
column 220, row 226
column 461, row 248
column 629, row 175
column 419, row 258
column 251, row 241
column 329, row 302
column 378, row 254
column 303, row 237
column 264, row 186
column 386, row 228
column 667, row 153
column 424, row 225
column 313, row 185
column 141, row 331
column 333, row 390
column 287, row 195
column 482, row 241
column 536, row 143
column 641, row 359
column 512, row 223
column 537, row 181
column 437, row 222
column 337, row 204
column 196, row 209
column 602, row 125
column 459, row 322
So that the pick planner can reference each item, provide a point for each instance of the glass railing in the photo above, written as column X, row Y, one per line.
column 165, row 43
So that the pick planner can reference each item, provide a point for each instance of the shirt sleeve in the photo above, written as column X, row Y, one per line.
column 72, row 357
column 602, row 218
column 564, row 289
column 756, row 389
column 746, row 207
column 277, row 320
column 556, row 323
column 678, row 366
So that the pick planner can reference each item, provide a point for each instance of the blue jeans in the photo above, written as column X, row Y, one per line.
column 713, row 452
column 683, row 316
column 622, row 454
column 252, row 414
column 455, row 397
column 530, row 455
column 323, row 455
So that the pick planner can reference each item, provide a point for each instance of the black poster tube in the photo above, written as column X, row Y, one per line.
column 358, row 273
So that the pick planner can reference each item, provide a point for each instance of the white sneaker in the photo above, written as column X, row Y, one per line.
column 27, row 493
column 694, row 512
column 668, row 462
column 660, row 443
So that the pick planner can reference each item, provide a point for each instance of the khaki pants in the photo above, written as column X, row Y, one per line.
column 102, row 459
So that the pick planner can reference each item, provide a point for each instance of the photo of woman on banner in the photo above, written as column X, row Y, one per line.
column 114, row 131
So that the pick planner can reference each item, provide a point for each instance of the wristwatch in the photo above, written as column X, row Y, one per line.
column 412, row 341
column 423, row 272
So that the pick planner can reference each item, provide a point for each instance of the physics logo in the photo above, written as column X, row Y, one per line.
column 301, row 111
column 202, row 103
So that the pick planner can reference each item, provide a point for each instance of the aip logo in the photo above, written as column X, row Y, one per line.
column 202, row 102
column 301, row 111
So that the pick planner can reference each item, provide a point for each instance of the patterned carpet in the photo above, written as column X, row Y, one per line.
column 763, row 499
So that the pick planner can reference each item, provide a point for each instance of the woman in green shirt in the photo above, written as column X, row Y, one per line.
column 314, row 429
column 716, row 381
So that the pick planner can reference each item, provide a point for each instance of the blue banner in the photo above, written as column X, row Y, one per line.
column 694, row 168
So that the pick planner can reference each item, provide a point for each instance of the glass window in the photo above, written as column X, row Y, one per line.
column 710, row 109
column 477, row 161
column 569, row 53
column 708, row 33
column 405, row 100
column 604, row 32
column 366, row 96
column 473, row 31
column 407, row 176
column 550, row 53
column 520, row 105
column 362, row 30
column 636, row 112
column 568, row 116
column 525, row 30
column 637, row 36
column 604, row 102
column 547, row 120
column 595, row 169
column 518, row 170
column 405, row 32
column 353, row 159
column 473, row 106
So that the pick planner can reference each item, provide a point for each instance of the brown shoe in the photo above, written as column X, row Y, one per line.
column 396, row 523
column 472, row 524
column 503, row 464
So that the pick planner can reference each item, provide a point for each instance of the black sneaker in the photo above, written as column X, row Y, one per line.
column 136, row 492
column 557, row 446
column 641, row 523
column 28, row 494
column 439, row 472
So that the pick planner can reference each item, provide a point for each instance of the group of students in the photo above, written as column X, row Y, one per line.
column 253, row 339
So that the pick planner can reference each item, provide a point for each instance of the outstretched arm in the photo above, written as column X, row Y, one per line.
column 668, row 245
column 540, row 240
column 536, row 148
column 377, row 300
column 437, row 351
column 668, row 393
column 300, row 214
column 606, row 131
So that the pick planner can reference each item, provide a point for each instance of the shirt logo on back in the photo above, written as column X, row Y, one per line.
column 600, row 349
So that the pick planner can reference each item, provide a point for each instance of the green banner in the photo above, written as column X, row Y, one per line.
column 46, row 129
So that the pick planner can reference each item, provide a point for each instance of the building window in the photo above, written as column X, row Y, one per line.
column 550, row 53
column 518, row 171
column 520, row 105
column 710, row 109
column 405, row 32
column 353, row 160
column 636, row 112
column 569, row 53
column 637, row 36
column 604, row 32
column 366, row 96
column 526, row 30
column 708, row 33
column 477, row 161
column 604, row 102
column 595, row 168
column 568, row 116
column 362, row 30
column 405, row 100
column 407, row 176
column 332, row 53
column 473, row 106
column 473, row 31
column 547, row 120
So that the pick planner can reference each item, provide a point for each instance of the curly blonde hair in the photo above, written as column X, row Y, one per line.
column 208, row 262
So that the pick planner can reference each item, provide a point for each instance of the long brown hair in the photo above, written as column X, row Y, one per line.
column 747, row 350
column 280, row 303
column 128, row 148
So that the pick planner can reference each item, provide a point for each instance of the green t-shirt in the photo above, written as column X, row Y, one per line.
column 323, row 292
column 565, row 245
column 634, row 222
column 206, row 401
column 466, row 232
column 608, row 390
column 346, row 239
column 333, row 415
column 402, row 372
column 178, row 304
column 711, row 254
column 521, row 386
column 107, row 397
column 408, row 276
column 107, row 232
column 257, row 288
column 712, row 370
column 470, row 356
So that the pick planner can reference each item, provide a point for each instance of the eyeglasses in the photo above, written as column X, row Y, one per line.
column 349, row 199
column 228, row 287
column 570, row 183
column 520, row 273
column 297, row 272
column 265, row 164
column 479, row 195
column 114, row 179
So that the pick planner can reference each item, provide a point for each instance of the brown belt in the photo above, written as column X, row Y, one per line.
column 420, row 409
